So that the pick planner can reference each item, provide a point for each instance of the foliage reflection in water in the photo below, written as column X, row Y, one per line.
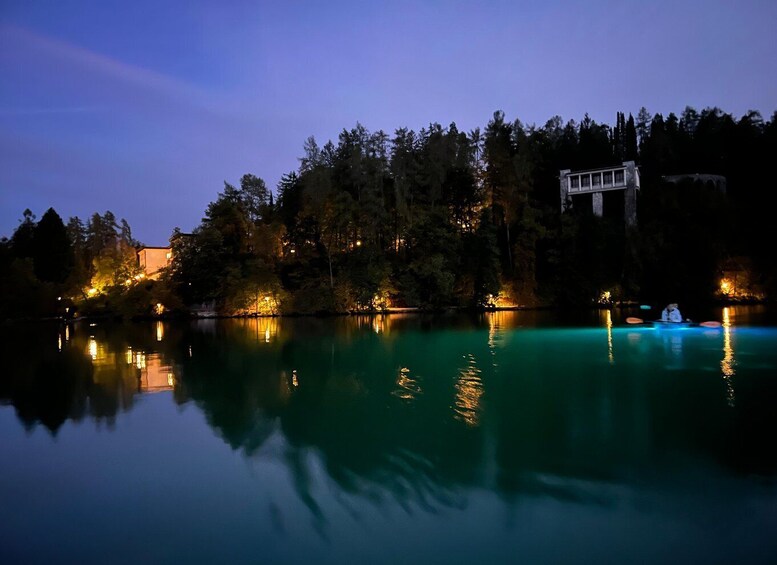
column 403, row 412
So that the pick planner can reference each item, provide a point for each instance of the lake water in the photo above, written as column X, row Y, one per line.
column 502, row 437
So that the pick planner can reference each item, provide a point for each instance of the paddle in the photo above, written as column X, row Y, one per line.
column 710, row 324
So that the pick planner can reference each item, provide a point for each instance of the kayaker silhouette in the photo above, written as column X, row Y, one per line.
column 671, row 313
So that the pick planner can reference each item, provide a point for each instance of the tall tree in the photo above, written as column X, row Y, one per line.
column 22, row 240
column 52, row 250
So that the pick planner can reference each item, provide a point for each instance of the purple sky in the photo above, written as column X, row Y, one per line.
column 144, row 108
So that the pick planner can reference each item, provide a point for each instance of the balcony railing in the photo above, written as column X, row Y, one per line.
column 597, row 181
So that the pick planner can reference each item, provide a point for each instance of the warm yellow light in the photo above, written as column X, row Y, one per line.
column 160, row 331
column 159, row 309
column 608, row 319
column 407, row 386
column 469, row 390
column 358, row 243
column 728, row 364
column 726, row 287
column 168, row 255
column 93, row 348
column 92, row 291
column 266, row 298
column 293, row 250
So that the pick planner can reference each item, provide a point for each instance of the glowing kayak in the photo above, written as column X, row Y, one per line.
column 673, row 325
column 661, row 324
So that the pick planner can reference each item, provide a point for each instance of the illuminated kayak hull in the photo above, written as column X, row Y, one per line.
column 661, row 324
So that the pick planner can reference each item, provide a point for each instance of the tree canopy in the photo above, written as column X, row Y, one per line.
column 441, row 217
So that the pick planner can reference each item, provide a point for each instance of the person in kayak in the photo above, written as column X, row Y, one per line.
column 671, row 314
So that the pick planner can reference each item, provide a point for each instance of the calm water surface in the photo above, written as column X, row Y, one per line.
column 503, row 437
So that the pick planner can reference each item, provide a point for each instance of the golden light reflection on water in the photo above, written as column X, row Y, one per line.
column 497, row 323
column 138, row 370
column 137, row 358
column 469, row 393
column 287, row 385
column 407, row 386
column 727, row 364
column 265, row 329
column 155, row 374
column 381, row 324
column 93, row 348
column 160, row 331
column 608, row 322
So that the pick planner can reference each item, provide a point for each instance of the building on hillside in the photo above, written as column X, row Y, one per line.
column 595, row 183
column 153, row 259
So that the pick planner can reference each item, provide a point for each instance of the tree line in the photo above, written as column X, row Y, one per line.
column 442, row 217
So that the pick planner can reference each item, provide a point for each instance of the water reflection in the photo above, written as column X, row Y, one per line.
column 469, row 390
column 265, row 329
column 155, row 374
column 607, row 313
column 407, row 386
column 728, row 362
column 405, row 416
column 497, row 323
column 85, row 370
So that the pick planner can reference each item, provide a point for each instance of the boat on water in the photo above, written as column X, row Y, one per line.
column 666, row 325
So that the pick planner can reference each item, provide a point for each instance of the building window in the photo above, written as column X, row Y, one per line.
column 597, row 180
column 574, row 182
column 607, row 178
column 585, row 181
column 619, row 177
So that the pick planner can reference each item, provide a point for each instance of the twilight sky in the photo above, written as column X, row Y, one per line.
column 144, row 108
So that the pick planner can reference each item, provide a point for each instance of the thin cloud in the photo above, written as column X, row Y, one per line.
column 47, row 111
column 92, row 61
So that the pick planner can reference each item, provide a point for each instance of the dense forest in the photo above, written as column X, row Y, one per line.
column 433, row 219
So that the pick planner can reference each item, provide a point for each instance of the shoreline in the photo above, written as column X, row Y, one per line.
column 212, row 315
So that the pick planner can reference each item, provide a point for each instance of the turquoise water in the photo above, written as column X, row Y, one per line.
column 502, row 437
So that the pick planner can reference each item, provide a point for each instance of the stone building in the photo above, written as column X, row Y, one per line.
column 595, row 182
